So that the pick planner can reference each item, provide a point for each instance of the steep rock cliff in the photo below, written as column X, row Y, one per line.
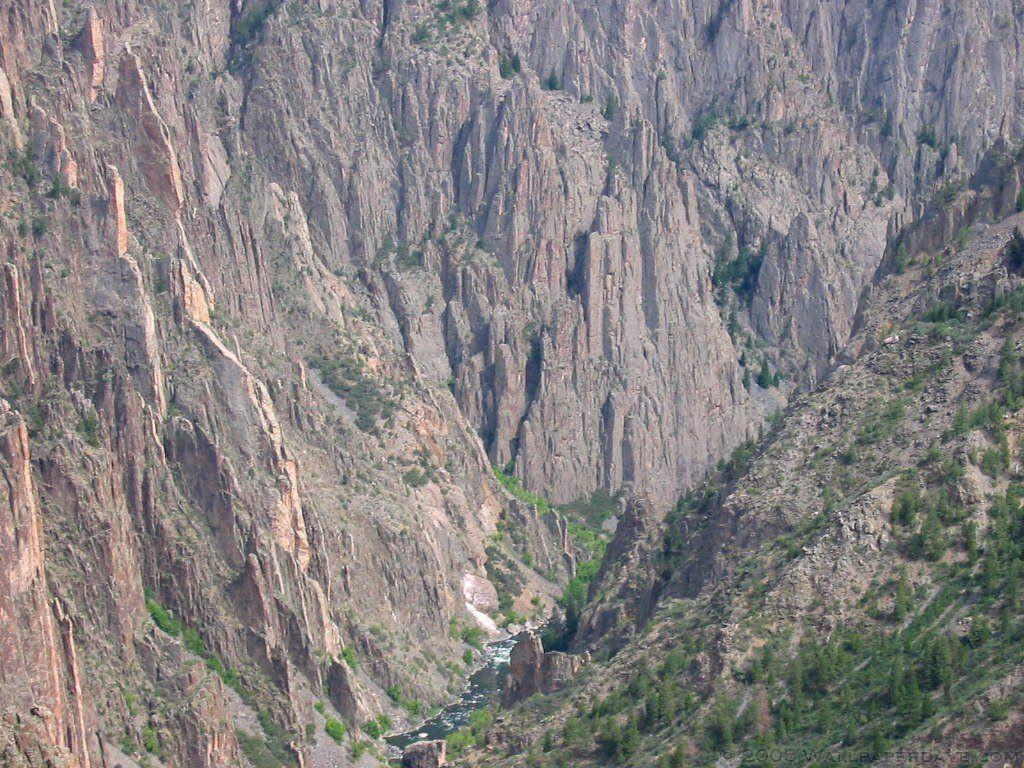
column 281, row 280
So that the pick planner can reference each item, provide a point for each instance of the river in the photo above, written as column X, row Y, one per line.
column 483, row 687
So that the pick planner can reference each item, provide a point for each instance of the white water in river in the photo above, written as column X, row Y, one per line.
column 483, row 687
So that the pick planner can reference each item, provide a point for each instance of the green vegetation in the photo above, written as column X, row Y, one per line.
column 335, row 729
column 163, row 619
column 192, row 641
column 150, row 742
column 60, row 189
column 944, row 312
column 345, row 375
column 377, row 727
column 348, row 653
column 470, row 634
column 505, row 574
column 247, row 31
column 1015, row 250
column 509, row 66
column 927, row 137
column 412, row 706
column 880, row 423
column 703, row 124
column 450, row 16
column 512, row 484
column 765, row 377
column 551, row 83
column 472, row 735
column 89, row 430
column 610, row 107
column 23, row 164
column 405, row 256
column 859, row 688
column 585, row 518
column 939, row 627
column 739, row 273
column 572, row 601
column 262, row 753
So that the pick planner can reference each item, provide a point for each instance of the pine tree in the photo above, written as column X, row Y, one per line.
column 931, row 542
column 970, row 529
column 990, row 574
column 938, row 665
column 630, row 738
column 901, row 604
column 652, row 710
column 906, row 507
column 669, row 701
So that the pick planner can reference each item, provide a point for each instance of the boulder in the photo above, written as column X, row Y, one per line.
column 424, row 754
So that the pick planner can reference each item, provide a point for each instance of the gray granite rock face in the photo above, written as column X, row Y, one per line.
column 570, row 215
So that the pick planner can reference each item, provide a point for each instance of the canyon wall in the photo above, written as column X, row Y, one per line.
column 282, row 281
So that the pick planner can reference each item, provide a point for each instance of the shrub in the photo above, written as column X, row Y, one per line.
column 740, row 273
column 377, row 727
column 256, row 751
column 470, row 9
column 348, row 653
column 979, row 632
column 335, row 729
column 162, row 617
column 702, row 124
column 1015, row 250
column 150, row 741
column 345, row 376
column 23, row 164
column 420, row 34
column 473, row 636
column 611, row 106
column 942, row 313
column 906, row 507
column 930, row 541
column 509, row 66
column 411, row 706
column 999, row 710
column 415, row 478
column 512, row 484
column 901, row 602
column 994, row 462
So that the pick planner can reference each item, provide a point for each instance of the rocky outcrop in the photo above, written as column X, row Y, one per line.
column 480, row 593
column 39, row 688
column 117, row 219
column 424, row 754
column 156, row 156
column 532, row 670
column 94, row 52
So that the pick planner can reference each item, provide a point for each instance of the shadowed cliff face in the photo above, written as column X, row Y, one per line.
column 281, row 282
